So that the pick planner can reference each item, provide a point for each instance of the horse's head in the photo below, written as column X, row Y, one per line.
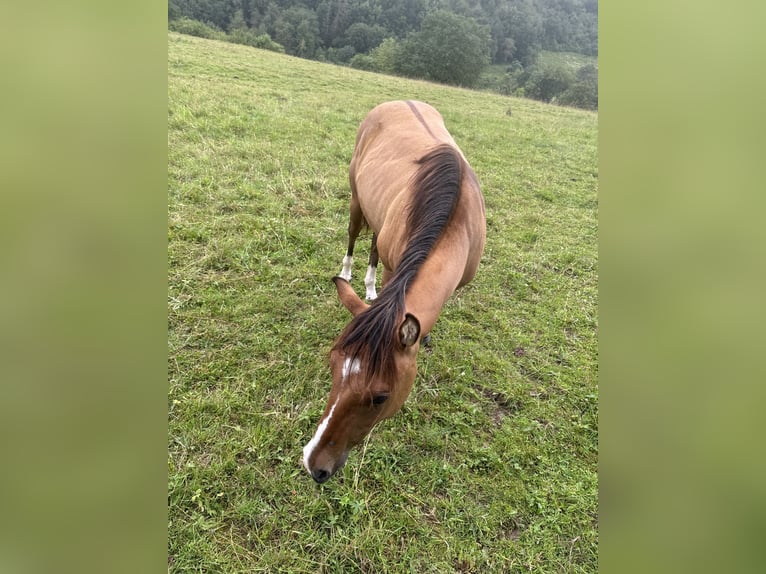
column 359, row 399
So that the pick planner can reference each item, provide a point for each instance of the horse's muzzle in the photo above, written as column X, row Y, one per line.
column 323, row 474
column 320, row 475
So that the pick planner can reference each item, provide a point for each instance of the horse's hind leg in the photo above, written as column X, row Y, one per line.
column 355, row 222
column 369, row 279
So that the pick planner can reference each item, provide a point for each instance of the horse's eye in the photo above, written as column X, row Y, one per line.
column 379, row 399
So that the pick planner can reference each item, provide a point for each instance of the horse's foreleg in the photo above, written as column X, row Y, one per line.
column 355, row 222
column 369, row 279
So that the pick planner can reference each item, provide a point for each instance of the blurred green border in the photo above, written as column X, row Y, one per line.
column 83, row 296
column 681, row 148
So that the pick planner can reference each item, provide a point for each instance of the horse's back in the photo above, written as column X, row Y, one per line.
column 391, row 139
column 401, row 129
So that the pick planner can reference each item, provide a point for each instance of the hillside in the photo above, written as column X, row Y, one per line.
column 491, row 466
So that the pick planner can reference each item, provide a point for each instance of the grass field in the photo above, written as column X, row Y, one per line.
column 491, row 466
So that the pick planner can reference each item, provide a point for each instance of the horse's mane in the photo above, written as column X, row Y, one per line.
column 371, row 335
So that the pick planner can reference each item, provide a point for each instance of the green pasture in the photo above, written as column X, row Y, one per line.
column 491, row 466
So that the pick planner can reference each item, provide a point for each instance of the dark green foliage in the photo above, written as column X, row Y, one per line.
column 333, row 17
column 517, row 32
column 237, row 21
column 216, row 12
column 385, row 56
column 563, row 78
column 249, row 37
column 522, row 24
column 298, row 31
column 363, row 37
column 583, row 93
column 570, row 26
column 174, row 12
column 448, row 48
column 195, row 28
column 519, row 28
column 554, row 81
column 363, row 62
column 548, row 80
column 402, row 16
column 340, row 55
column 499, row 79
column 244, row 36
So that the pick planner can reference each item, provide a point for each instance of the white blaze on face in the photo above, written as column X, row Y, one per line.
column 309, row 448
column 345, row 273
column 350, row 368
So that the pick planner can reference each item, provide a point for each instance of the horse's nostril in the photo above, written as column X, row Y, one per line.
column 320, row 475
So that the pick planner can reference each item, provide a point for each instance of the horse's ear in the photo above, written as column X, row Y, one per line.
column 348, row 296
column 409, row 330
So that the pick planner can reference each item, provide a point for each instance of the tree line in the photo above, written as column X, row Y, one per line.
column 448, row 41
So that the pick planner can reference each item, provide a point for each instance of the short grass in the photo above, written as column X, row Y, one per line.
column 491, row 466
column 570, row 60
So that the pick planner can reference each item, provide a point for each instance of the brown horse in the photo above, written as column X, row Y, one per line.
column 414, row 188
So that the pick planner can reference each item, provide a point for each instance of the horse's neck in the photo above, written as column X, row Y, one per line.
column 435, row 282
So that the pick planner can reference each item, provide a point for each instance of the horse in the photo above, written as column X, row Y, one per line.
column 413, row 187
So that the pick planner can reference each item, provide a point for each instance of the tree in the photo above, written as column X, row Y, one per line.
column 333, row 17
column 215, row 12
column 196, row 28
column 448, row 48
column 297, row 29
column 386, row 55
column 363, row 37
column 340, row 55
column 548, row 81
column 523, row 24
column 174, row 11
column 363, row 62
column 238, row 21
column 583, row 93
column 441, row 40
column 570, row 25
column 402, row 16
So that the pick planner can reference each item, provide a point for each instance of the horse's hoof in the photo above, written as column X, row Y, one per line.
column 426, row 341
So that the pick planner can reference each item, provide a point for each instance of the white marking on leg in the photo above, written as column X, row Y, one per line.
column 312, row 444
column 345, row 273
column 350, row 368
column 369, row 282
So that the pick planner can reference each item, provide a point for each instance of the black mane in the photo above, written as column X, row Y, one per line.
column 371, row 335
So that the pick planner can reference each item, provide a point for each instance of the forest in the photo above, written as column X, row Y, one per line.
column 447, row 41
